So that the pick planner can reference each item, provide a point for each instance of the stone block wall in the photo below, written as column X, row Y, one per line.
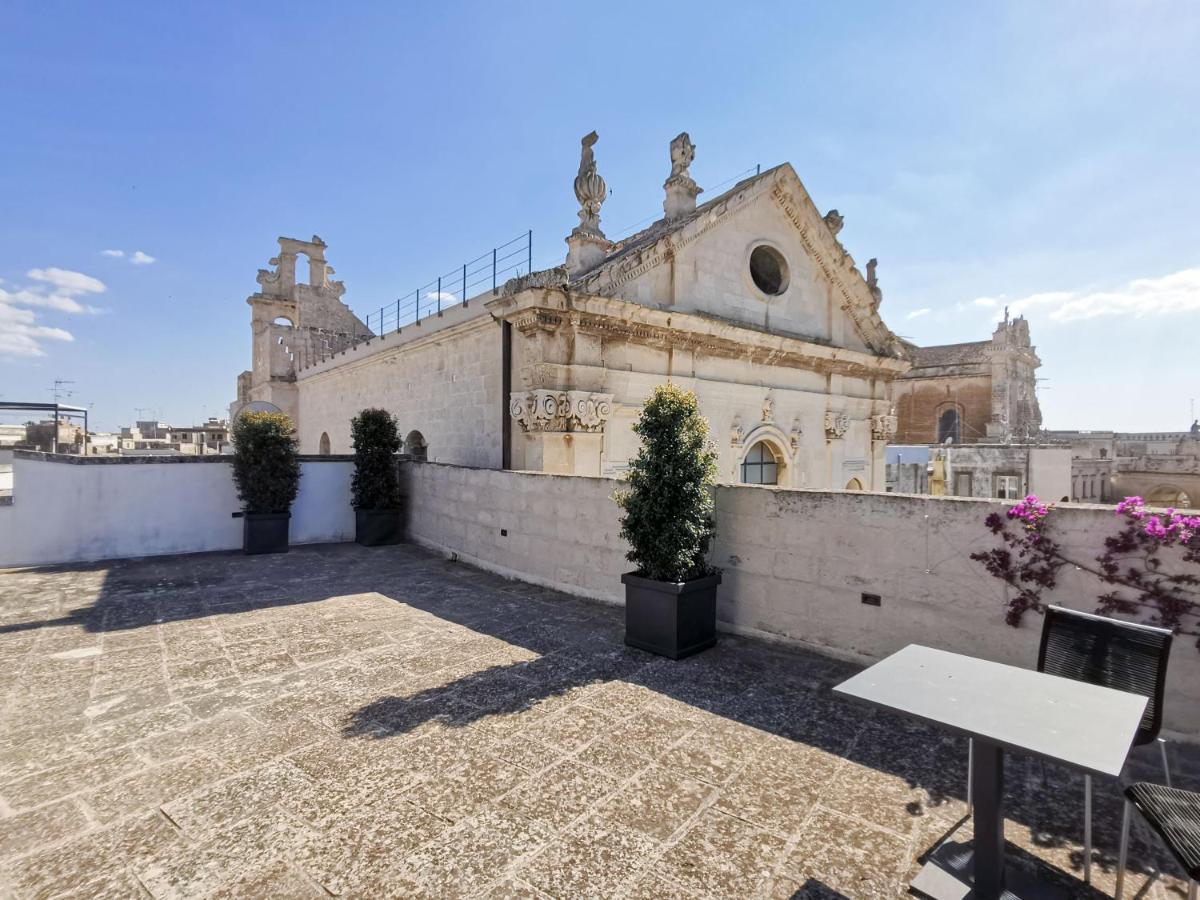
column 444, row 383
column 796, row 563
column 919, row 403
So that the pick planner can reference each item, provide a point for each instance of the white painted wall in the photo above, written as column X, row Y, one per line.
column 796, row 562
column 64, row 512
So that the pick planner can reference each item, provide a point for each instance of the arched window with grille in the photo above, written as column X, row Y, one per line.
column 760, row 465
column 949, row 426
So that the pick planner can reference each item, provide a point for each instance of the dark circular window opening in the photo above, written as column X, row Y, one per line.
column 769, row 270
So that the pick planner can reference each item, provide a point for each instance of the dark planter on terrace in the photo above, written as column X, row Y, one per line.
column 265, row 532
column 672, row 620
column 375, row 527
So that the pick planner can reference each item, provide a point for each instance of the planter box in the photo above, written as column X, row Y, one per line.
column 375, row 527
column 265, row 532
column 672, row 620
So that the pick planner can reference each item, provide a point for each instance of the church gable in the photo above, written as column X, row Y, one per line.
column 760, row 255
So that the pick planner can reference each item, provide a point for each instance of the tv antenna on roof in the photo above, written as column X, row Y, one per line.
column 59, row 392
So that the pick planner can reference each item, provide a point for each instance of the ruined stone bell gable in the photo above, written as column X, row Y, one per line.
column 749, row 299
column 295, row 317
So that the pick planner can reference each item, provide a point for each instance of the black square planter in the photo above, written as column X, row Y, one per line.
column 376, row 527
column 265, row 532
column 672, row 620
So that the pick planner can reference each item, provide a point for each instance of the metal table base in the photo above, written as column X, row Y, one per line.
column 956, row 871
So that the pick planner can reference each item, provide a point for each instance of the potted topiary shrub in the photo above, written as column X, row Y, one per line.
column 671, row 600
column 375, row 487
column 266, row 470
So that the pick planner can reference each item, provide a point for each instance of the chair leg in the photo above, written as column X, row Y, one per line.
column 1162, row 747
column 1192, row 890
column 1123, row 855
column 970, row 776
column 1087, row 829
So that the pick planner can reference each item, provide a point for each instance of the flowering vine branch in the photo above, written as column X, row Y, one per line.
column 1131, row 565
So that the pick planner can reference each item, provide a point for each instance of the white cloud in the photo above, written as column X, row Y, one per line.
column 137, row 257
column 55, row 289
column 988, row 302
column 68, row 282
column 1174, row 294
column 20, row 335
column 917, row 313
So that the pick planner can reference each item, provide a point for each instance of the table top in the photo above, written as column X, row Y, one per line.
column 1072, row 722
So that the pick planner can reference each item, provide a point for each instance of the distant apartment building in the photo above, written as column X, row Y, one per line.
column 1161, row 466
column 150, row 436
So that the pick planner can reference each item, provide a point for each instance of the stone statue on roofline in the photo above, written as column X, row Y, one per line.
column 834, row 222
column 680, row 188
column 873, row 283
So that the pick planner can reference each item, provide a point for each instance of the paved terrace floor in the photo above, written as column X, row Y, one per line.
column 381, row 722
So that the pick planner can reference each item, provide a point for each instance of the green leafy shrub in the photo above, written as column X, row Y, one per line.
column 266, row 468
column 668, row 505
column 376, row 443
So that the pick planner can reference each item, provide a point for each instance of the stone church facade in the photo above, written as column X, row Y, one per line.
column 971, row 393
column 749, row 299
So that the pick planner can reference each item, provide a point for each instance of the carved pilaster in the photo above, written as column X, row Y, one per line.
column 836, row 425
column 883, row 427
column 555, row 410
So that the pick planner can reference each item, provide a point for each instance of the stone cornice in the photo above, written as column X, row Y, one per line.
column 835, row 263
column 533, row 311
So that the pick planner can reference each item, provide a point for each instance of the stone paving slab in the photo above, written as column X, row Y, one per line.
column 379, row 722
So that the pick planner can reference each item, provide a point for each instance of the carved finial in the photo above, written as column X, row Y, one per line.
column 834, row 221
column 768, row 408
column 587, row 245
column 681, row 189
column 590, row 189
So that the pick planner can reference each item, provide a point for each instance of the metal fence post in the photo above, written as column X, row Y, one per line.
column 381, row 321
column 439, row 295
column 493, row 270
column 529, row 244
column 464, row 299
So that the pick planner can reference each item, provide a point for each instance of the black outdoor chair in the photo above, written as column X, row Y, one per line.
column 1110, row 653
column 1175, row 817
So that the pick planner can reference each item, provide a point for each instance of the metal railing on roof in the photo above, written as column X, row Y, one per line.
column 482, row 274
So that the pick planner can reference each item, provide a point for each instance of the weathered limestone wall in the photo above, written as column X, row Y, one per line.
column 920, row 402
column 796, row 562
column 441, row 378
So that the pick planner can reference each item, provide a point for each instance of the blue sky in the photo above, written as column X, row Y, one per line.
column 1040, row 155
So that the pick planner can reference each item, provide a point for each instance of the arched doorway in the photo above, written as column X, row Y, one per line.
column 854, row 485
column 323, row 444
column 1169, row 495
column 761, row 464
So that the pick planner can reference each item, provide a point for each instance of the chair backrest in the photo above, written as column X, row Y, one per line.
column 1111, row 653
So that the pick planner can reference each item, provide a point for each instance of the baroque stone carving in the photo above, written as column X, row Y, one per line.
column 546, row 278
column 680, row 188
column 873, row 282
column 834, row 221
column 794, row 436
column 836, row 424
column 551, row 410
column 590, row 189
column 883, row 427
column 768, row 408
column 736, row 435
